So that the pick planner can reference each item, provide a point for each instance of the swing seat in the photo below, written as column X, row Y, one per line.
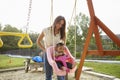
column 63, row 60
column 52, row 62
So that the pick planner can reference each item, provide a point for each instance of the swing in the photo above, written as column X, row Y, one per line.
column 21, row 35
column 50, row 51
column 63, row 59
column 56, row 70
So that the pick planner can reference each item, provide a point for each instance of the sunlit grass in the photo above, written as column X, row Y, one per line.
column 106, row 68
column 8, row 62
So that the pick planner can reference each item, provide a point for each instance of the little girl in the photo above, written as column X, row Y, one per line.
column 63, row 61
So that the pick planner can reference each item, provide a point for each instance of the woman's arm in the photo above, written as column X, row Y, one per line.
column 39, row 39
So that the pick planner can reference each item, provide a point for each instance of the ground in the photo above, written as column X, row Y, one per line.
column 21, row 75
column 39, row 75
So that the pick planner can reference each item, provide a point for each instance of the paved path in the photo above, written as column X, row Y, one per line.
column 101, row 61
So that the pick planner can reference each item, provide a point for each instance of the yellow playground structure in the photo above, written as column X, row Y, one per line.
column 22, row 37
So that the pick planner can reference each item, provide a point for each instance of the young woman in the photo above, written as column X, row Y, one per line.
column 51, row 36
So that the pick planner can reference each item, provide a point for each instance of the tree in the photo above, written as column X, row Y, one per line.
column 81, row 23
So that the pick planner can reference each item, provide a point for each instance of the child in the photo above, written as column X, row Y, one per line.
column 62, row 59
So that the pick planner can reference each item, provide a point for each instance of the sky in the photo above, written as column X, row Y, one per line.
column 15, row 12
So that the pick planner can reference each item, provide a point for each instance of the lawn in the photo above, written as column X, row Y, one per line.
column 106, row 68
column 9, row 62
column 110, row 69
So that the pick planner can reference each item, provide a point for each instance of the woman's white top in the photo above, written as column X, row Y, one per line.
column 49, row 38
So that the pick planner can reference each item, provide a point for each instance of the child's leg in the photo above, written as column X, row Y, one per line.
column 69, row 65
column 60, row 65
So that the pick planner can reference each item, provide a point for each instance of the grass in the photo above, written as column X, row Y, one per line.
column 10, row 62
column 105, row 68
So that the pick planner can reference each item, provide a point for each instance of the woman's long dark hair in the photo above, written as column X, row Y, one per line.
column 62, row 29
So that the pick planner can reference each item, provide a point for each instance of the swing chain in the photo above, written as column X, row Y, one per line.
column 51, row 15
column 29, row 13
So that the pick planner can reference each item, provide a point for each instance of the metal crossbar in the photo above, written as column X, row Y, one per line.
column 21, row 35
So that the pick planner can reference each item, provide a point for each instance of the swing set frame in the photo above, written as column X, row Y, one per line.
column 93, row 29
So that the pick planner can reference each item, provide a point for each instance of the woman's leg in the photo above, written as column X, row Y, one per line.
column 48, row 69
column 60, row 77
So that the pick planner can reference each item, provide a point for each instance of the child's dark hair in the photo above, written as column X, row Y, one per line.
column 59, row 44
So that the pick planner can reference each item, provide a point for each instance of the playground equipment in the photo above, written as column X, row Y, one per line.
column 93, row 29
column 51, row 61
column 22, row 37
column 55, row 68
column 57, row 71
